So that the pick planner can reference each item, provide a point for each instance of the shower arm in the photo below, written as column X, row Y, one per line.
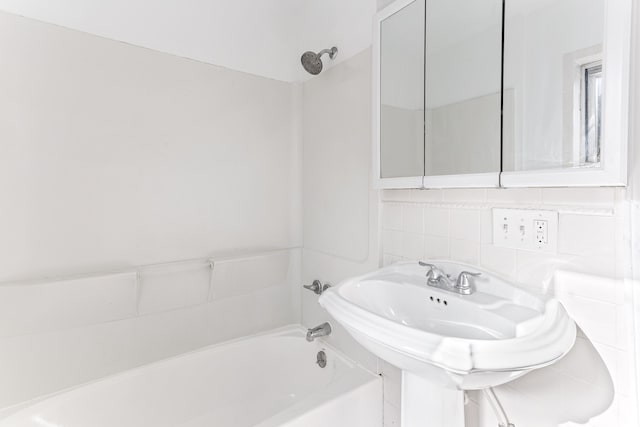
column 332, row 52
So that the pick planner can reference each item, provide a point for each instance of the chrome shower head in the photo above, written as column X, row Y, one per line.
column 312, row 62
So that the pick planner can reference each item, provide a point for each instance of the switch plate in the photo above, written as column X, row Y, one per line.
column 527, row 229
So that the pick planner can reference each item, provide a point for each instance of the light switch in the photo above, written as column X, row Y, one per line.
column 535, row 230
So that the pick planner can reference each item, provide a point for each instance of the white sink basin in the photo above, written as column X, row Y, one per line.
column 462, row 342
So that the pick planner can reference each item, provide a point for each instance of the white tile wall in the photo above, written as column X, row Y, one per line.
column 62, row 333
column 585, row 275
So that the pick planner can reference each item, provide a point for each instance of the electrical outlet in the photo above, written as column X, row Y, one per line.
column 541, row 228
column 525, row 229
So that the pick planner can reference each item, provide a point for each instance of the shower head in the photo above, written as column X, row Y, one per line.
column 312, row 61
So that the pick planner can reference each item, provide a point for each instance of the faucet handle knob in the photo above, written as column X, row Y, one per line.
column 463, row 281
column 434, row 274
column 315, row 287
column 431, row 267
column 469, row 273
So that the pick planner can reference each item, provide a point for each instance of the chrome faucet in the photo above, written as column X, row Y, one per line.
column 319, row 331
column 464, row 284
column 439, row 279
column 435, row 276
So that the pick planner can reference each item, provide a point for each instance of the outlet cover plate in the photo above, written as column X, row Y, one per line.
column 528, row 229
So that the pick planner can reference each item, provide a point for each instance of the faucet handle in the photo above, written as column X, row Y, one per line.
column 426, row 264
column 434, row 274
column 315, row 287
column 464, row 283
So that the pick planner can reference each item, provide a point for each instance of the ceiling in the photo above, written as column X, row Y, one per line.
column 262, row 37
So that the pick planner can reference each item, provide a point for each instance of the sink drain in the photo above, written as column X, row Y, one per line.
column 321, row 359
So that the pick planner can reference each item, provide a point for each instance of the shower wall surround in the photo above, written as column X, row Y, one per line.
column 58, row 334
column 117, row 156
column 117, row 163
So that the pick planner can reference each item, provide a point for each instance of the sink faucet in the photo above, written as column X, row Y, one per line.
column 319, row 331
column 438, row 279
column 435, row 276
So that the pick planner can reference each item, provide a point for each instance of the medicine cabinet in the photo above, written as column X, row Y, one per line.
column 501, row 93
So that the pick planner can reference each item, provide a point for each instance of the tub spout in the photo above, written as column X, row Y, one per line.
column 319, row 331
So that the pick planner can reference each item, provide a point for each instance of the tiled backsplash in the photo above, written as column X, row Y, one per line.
column 586, row 274
column 457, row 224
column 67, row 332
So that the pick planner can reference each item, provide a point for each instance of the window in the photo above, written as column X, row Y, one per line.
column 591, row 113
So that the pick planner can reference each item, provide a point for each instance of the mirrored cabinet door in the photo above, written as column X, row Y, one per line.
column 564, row 92
column 553, row 84
column 401, row 94
column 463, row 92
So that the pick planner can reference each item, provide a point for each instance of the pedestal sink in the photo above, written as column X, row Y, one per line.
column 446, row 342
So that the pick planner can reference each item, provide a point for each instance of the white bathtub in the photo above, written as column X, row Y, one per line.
column 267, row 380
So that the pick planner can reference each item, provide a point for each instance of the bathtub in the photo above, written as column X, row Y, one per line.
column 266, row 380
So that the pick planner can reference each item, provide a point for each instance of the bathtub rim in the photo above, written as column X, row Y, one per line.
column 293, row 330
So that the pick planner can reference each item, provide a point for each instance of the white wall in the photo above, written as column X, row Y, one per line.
column 265, row 38
column 117, row 156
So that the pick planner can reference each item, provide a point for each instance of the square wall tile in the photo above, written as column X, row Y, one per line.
column 465, row 251
column 486, row 226
column 436, row 221
column 412, row 218
column 436, row 247
column 586, row 235
column 412, row 246
column 392, row 242
column 392, row 217
column 465, row 224
column 499, row 260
